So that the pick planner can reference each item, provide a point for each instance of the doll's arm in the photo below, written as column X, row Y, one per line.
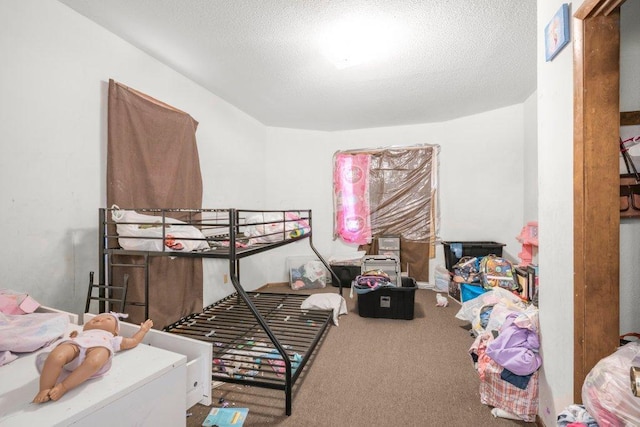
column 128, row 343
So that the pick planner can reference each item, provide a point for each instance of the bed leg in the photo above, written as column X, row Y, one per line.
column 288, row 399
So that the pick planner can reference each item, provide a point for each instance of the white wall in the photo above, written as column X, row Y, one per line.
column 530, row 159
column 52, row 168
column 629, row 56
column 56, row 65
column 555, row 211
column 555, row 170
column 481, row 178
column 630, row 228
column 530, row 165
column 53, row 81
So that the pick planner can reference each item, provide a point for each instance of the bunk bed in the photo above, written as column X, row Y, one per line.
column 258, row 338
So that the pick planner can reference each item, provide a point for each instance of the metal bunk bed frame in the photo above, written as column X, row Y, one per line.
column 233, row 253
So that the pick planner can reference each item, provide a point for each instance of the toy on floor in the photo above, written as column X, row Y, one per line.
column 441, row 301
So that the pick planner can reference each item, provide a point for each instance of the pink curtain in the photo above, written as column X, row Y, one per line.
column 152, row 162
column 351, row 197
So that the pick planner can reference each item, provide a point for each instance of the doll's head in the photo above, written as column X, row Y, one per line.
column 109, row 322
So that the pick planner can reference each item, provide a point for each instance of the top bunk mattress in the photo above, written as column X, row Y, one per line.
column 202, row 232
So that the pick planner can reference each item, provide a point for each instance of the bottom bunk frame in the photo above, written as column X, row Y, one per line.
column 244, row 351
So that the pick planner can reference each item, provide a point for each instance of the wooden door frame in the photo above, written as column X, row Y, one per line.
column 596, row 50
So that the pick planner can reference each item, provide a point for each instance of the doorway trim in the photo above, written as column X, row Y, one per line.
column 596, row 53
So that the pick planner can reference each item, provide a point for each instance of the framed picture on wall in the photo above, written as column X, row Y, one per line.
column 556, row 33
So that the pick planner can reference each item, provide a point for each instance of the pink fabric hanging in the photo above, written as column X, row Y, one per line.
column 351, row 198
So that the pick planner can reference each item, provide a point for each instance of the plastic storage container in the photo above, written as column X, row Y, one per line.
column 389, row 245
column 389, row 302
column 346, row 273
column 388, row 263
column 469, row 291
column 442, row 278
column 453, row 251
column 307, row 273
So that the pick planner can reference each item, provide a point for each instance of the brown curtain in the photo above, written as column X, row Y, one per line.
column 152, row 162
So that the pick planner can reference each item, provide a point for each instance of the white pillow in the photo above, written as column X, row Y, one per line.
column 150, row 227
column 326, row 301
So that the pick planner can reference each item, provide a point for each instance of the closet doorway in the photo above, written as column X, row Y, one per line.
column 596, row 185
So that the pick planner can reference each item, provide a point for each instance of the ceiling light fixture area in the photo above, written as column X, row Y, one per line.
column 357, row 40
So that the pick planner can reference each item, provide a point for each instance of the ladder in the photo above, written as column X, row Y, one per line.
column 111, row 265
column 107, row 294
column 106, row 273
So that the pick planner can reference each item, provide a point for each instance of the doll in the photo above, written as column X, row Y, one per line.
column 83, row 355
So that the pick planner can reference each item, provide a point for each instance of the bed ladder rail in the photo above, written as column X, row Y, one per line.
column 115, row 296
column 111, row 266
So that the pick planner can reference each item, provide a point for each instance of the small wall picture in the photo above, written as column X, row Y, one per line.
column 556, row 33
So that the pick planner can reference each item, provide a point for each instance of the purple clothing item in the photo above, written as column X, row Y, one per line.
column 516, row 348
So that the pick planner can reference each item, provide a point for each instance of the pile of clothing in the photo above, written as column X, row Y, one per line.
column 371, row 280
column 505, row 352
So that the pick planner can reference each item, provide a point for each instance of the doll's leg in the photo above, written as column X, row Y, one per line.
column 59, row 356
column 95, row 359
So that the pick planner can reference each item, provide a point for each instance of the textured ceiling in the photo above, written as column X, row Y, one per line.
column 446, row 59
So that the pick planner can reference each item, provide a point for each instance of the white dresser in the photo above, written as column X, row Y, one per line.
column 152, row 384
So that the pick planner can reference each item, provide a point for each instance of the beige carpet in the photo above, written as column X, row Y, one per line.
column 376, row 372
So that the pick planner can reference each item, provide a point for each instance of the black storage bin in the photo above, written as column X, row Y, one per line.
column 389, row 302
column 346, row 274
column 474, row 249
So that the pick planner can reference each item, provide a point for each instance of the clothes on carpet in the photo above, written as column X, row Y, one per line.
column 520, row 381
column 505, row 353
column 516, row 348
column 576, row 415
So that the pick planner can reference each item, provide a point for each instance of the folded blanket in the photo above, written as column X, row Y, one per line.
column 29, row 332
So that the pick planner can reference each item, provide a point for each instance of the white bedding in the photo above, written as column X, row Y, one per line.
column 270, row 227
column 23, row 333
column 178, row 236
